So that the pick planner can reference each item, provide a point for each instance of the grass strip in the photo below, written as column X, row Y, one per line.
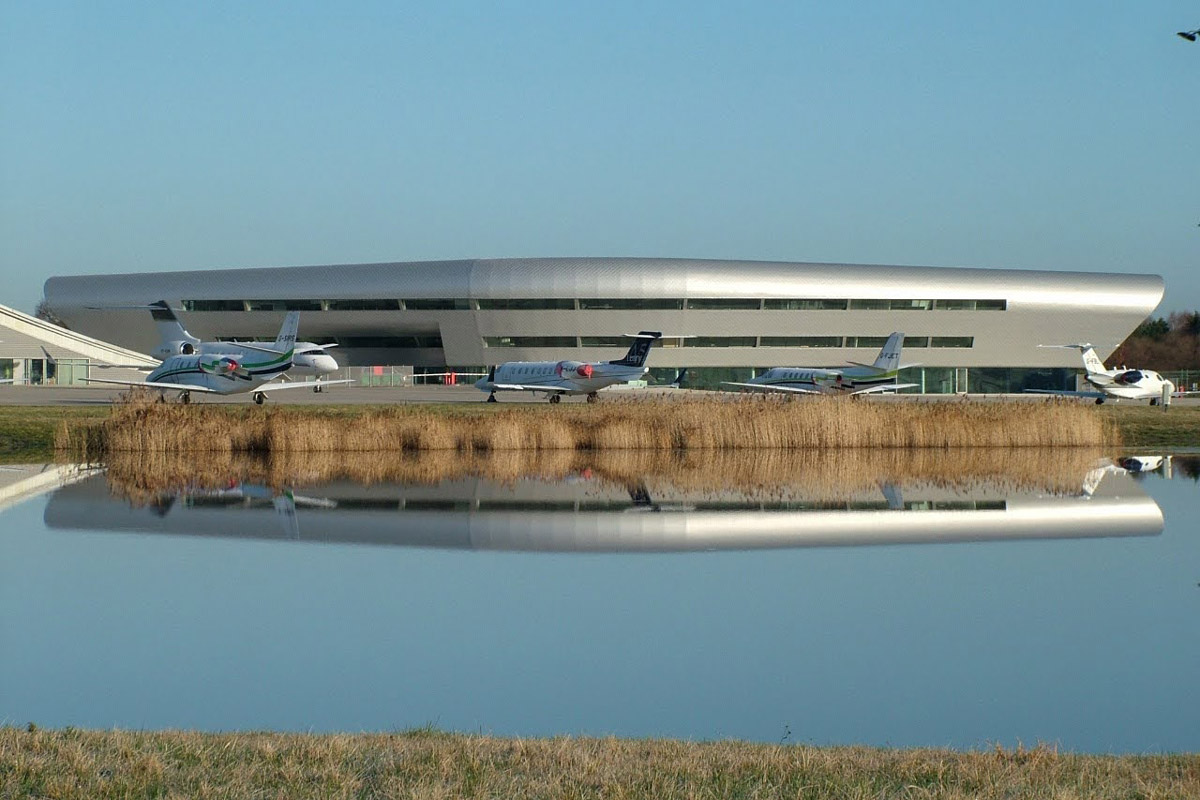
column 72, row 763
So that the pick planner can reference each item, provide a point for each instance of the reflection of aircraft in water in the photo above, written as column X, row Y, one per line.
column 592, row 516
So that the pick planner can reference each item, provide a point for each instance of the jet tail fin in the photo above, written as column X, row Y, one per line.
column 636, row 357
column 285, row 342
column 170, row 329
column 888, row 359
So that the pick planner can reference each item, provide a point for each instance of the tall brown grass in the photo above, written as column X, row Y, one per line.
column 814, row 475
column 625, row 424
column 74, row 764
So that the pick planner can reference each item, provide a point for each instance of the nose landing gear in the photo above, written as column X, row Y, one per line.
column 259, row 398
column 491, row 398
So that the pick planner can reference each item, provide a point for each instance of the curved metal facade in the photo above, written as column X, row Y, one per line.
column 1039, row 307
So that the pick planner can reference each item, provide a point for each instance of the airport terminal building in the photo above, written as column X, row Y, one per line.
column 974, row 330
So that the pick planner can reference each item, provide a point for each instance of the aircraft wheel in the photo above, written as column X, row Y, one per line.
column 1099, row 401
column 259, row 398
column 1153, row 401
column 491, row 398
column 592, row 397
column 185, row 398
column 555, row 399
column 317, row 389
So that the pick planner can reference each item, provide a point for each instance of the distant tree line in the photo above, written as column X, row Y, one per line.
column 1162, row 344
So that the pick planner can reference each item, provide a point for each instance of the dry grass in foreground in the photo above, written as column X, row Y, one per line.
column 824, row 475
column 752, row 422
column 426, row 764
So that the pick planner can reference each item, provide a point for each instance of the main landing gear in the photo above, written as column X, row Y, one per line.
column 491, row 398
column 1099, row 401
column 556, row 399
column 259, row 398
column 592, row 397
column 185, row 397
column 318, row 389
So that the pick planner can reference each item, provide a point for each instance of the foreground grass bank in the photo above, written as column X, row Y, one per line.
column 82, row 764
column 29, row 432
column 707, row 424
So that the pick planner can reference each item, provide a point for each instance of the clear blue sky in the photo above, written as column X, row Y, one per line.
column 199, row 135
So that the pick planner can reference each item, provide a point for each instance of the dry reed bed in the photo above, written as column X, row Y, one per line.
column 753, row 422
column 813, row 475
column 118, row 764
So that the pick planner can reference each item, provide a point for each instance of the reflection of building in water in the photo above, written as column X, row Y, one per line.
column 582, row 515
column 21, row 482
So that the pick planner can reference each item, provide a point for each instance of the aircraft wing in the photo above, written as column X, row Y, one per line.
column 887, row 387
column 1065, row 392
column 179, row 387
column 275, row 387
column 761, row 388
column 518, row 387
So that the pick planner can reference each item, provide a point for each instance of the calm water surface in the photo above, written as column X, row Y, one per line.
column 901, row 614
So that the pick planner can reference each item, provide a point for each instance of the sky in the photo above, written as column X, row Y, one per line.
column 182, row 135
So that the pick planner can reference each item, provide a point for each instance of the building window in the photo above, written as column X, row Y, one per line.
column 283, row 305
column 438, row 304
column 801, row 341
column 953, row 341
column 970, row 305
column 529, row 341
column 6, row 368
column 214, row 305
column 916, row 341
column 363, row 305
column 870, row 304
column 604, row 341
column 723, row 304
column 874, row 342
column 618, row 304
column 720, row 341
column 805, row 304
column 535, row 304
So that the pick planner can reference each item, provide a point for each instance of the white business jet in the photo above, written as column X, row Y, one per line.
column 1119, row 384
column 307, row 359
column 231, row 372
column 557, row 378
column 858, row 379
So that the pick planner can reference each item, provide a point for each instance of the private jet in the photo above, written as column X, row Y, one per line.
column 230, row 372
column 879, row 376
column 1118, row 384
column 556, row 378
column 308, row 358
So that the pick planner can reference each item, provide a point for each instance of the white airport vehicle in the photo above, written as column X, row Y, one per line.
column 557, row 378
column 879, row 376
column 1123, row 383
column 232, row 372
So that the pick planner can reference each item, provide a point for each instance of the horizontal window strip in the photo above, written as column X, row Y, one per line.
column 534, row 304
column 529, row 341
column 630, row 304
column 599, row 304
column 801, row 341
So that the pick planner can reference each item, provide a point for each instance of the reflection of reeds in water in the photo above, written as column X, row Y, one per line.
column 768, row 473
column 818, row 423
